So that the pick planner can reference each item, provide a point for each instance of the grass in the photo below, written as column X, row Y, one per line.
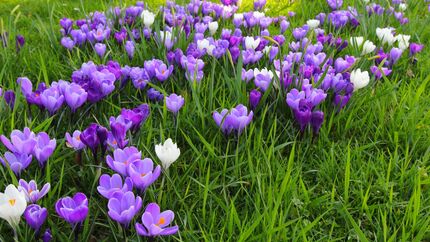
column 364, row 178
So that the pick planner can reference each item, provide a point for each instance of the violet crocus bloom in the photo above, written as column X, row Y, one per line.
column 109, row 185
column 90, row 138
column 335, row 4
column 32, row 194
column 303, row 113
column 47, row 236
column 316, row 121
column 44, row 148
column 155, row 223
column 122, row 158
column 174, row 103
column 136, row 116
column 254, row 98
column 21, row 142
column 74, row 140
column 73, row 210
column 343, row 64
column 237, row 119
column 9, row 97
column 100, row 49
column 35, row 216
column 68, row 43
column 395, row 54
column 119, row 127
column 19, row 42
column 415, row 48
column 162, row 72
column 123, row 207
column 143, row 174
column 52, row 99
column 129, row 47
column 154, row 95
column 16, row 161
column 75, row 96
column 379, row 72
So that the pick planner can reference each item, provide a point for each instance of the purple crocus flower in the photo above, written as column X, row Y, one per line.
column 254, row 98
column 89, row 137
column 35, row 216
column 23, row 142
column 44, row 148
column 136, row 115
column 155, row 223
column 379, row 72
column 74, row 140
column 303, row 113
column 101, row 33
column 162, row 72
column 100, row 49
column 52, row 99
column 9, row 97
column 75, row 96
column 335, row 4
column 237, row 119
column 415, row 48
column 129, row 47
column 316, row 121
column 122, row 158
column 73, row 210
column 139, row 77
column 154, row 95
column 123, row 207
column 47, row 236
column 174, row 103
column 66, row 24
column 109, row 185
column 259, row 4
column 16, row 161
column 395, row 54
column 19, row 42
column 32, row 194
column 143, row 174
column 67, row 42
column 343, row 64
column 119, row 127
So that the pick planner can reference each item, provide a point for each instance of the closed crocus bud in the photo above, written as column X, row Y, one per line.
column 284, row 25
column 368, row 47
column 316, row 121
column 213, row 26
column 9, row 97
column 395, row 55
column 174, row 103
column 415, row 48
column 148, row 18
column 47, row 236
column 254, row 98
column 20, row 41
column 403, row 41
column 35, row 216
column 167, row 153
column 100, row 49
column 12, row 205
column 313, row 23
column 359, row 79
column 44, row 148
column 129, row 47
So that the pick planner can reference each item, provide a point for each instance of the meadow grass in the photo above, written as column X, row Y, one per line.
column 363, row 178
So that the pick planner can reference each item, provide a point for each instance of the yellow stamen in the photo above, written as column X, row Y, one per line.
column 161, row 221
column 12, row 202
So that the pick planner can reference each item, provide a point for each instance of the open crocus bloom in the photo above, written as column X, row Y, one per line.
column 32, row 194
column 12, row 205
column 155, row 223
column 109, row 185
column 73, row 210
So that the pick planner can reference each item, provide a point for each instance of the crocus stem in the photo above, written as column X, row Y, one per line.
column 124, row 233
column 151, row 239
column 77, row 229
column 15, row 235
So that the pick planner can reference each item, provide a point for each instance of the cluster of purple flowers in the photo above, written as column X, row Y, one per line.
column 23, row 145
column 235, row 119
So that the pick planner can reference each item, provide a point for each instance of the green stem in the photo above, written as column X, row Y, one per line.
column 15, row 235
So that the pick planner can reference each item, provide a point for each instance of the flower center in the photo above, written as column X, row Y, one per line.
column 143, row 174
column 161, row 221
column 13, row 201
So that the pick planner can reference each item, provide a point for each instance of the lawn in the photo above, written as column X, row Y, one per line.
column 363, row 176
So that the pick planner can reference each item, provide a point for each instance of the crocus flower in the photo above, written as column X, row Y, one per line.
column 75, row 96
column 395, row 54
column 119, row 127
column 174, row 103
column 52, row 99
column 44, row 148
column 167, row 152
column 316, row 121
column 143, row 174
column 35, row 216
column 100, row 49
column 162, row 72
column 368, row 47
column 403, row 41
column 109, row 185
column 136, row 115
column 122, row 158
column 154, row 95
column 129, row 47
column 251, row 42
column 12, row 205
column 213, row 26
column 359, row 79
column 262, row 78
column 67, row 42
column 74, row 140
column 16, row 161
column 73, row 210
column 343, row 64
column 379, row 72
column 89, row 137
column 237, row 119
column 47, row 236
column 385, row 35
column 9, row 97
column 148, row 18
column 32, row 194
column 123, row 207
column 155, row 223
column 415, row 48
column 254, row 98
column 335, row 4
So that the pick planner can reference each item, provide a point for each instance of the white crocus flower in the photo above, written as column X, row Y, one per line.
column 148, row 18
column 368, row 47
column 167, row 153
column 267, row 49
column 359, row 79
column 313, row 23
column 251, row 43
column 385, row 35
column 403, row 6
column 263, row 72
column 403, row 41
column 213, row 26
column 357, row 41
column 12, row 205
column 238, row 16
column 205, row 45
